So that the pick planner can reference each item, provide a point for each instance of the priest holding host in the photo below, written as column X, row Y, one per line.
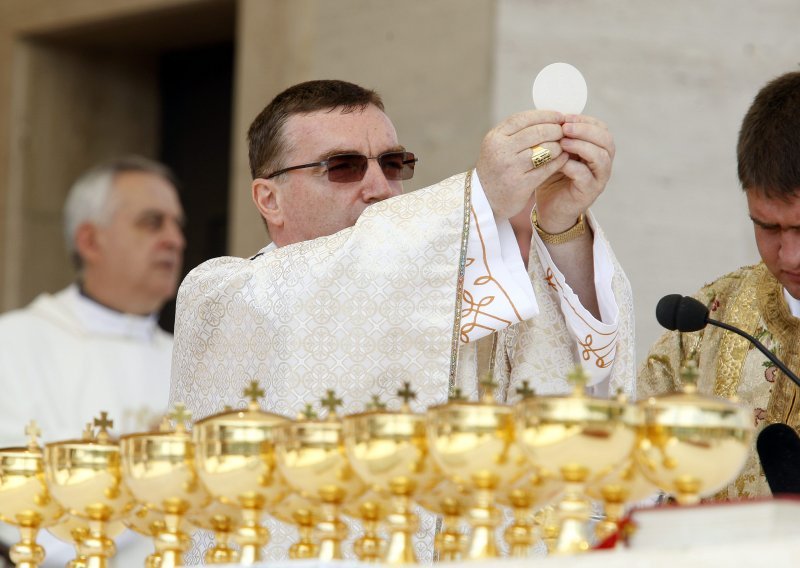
column 763, row 300
column 364, row 287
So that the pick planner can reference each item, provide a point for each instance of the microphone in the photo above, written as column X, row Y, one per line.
column 684, row 313
column 778, row 448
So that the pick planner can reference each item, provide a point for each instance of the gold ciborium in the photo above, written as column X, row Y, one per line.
column 580, row 438
column 312, row 459
column 236, row 463
column 692, row 445
column 159, row 469
column 389, row 451
column 85, row 476
column 474, row 444
column 24, row 498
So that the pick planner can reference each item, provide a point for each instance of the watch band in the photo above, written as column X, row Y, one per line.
column 573, row 232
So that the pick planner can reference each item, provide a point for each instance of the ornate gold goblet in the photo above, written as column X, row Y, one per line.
column 389, row 451
column 159, row 469
column 692, row 445
column 85, row 476
column 236, row 463
column 25, row 500
column 474, row 444
column 580, row 437
column 311, row 458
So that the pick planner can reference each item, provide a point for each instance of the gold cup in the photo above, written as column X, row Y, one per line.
column 236, row 463
column 25, row 500
column 312, row 459
column 692, row 445
column 389, row 451
column 580, row 437
column 159, row 469
column 85, row 476
column 474, row 443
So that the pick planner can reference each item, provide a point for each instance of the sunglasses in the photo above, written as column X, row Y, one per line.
column 347, row 168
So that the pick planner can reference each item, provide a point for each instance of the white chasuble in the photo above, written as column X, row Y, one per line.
column 400, row 296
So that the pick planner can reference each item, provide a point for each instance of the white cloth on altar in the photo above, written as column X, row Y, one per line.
column 63, row 359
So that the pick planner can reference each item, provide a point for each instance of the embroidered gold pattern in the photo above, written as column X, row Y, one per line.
column 785, row 329
column 462, row 266
column 741, row 311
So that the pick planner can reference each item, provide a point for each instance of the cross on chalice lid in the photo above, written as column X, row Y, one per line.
column 308, row 413
column 578, row 378
column 376, row 403
column 488, row 384
column 525, row 391
column 457, row 395
column 331, row 402
column 33, row 432
column 103, row 423
column 253, row 392
column 689, row 376
column 407, row 395
column 180, row 416
column 88, row 432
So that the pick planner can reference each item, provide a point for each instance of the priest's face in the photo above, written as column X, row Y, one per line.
column 776, row 224
column 304, row 204
column 139, row 250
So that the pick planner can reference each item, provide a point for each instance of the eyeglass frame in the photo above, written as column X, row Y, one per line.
column 327, row 160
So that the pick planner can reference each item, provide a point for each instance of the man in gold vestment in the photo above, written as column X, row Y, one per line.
column 762, row 300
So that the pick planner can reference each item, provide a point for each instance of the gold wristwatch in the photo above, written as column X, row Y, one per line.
column 573, row 232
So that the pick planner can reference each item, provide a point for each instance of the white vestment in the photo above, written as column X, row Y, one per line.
column 63, row 359
column 390, row 300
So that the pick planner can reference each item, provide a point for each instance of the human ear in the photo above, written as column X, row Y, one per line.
column 266, row 200
column 87, row 242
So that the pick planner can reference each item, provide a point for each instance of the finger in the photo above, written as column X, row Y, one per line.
column 536, row 135
column 593, row 148
column 522, row 120
column 582, row 177
column 597, row 135
column 584, row 119
column 545, row 171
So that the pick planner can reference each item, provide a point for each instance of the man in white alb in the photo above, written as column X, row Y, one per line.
column 363, row 288
column 96, row 345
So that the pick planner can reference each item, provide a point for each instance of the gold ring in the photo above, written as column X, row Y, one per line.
column 540, row 156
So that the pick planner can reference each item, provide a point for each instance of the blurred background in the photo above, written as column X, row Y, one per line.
column 181, row 80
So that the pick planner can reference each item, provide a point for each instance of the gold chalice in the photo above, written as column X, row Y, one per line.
column 24, row 498
column 389, row 451
column 222, row 519
column 692, row 445
column 74, row 530
column 236, row 463
column 159, row 469
column 85, row 476
column 580, row 437
column 474, row 444
column 452, row 501
column 311, row 458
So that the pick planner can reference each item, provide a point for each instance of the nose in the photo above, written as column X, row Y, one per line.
column 789, row 252
column 173, row 236
column 375, row 185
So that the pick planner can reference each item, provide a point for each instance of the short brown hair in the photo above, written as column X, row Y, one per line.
column 768, row 151
column 265, row 135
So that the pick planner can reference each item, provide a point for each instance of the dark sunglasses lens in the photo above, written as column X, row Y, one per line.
column 347, row 168
column 397, row 165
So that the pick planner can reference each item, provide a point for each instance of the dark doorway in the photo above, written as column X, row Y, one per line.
column 195, row 87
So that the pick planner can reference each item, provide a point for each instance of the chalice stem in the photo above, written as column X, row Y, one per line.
column 27, row 553
column 402, row 523
column 484, row 519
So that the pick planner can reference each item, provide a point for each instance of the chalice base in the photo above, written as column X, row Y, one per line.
column 575, row 534
column 331, row 533
column 251, row 538
column 483, row 521
column 401, row 524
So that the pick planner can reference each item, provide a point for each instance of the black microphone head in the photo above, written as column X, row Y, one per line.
column 691, row 315
column 778, row 447
column 667, row 311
